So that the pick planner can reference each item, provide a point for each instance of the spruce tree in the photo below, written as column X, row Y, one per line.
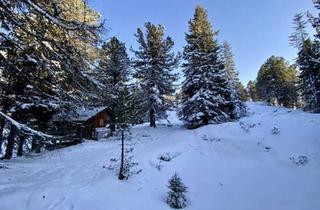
column 300, row 35
column 114, row 72
column 154, row 64
column 308, row 62
column 234, row 81
column 176, row 198
column 206, row 92
column 309, row 75
column 44, row 58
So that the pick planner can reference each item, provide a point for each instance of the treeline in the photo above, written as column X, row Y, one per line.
column 296, row 85
column 53, row 61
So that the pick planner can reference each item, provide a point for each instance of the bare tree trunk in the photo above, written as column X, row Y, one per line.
column 112, row 124
column 22, row 139
column 152, row 118
column 36, row 145
column 2, row 124
column 121, row 173
column 10, row 145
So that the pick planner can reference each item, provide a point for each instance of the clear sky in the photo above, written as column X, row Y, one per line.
column 256, row 29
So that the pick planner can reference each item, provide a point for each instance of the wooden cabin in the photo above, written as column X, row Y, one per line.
column 84, row 124
column 94, row 124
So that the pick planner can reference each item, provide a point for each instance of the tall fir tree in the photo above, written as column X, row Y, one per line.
column 299, row 35
column 234, row 81
column 114, row 72
column 308, row 62
column 309, row 75
column 206, row 93
column 154, row 64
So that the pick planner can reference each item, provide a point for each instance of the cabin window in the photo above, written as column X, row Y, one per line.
column 101, row 122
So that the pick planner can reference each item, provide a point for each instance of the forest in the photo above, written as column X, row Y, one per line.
column 56, row 59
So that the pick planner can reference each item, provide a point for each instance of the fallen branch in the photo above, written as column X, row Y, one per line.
column 26, row 130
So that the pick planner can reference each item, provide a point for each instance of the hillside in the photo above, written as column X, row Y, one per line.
column 268, row 160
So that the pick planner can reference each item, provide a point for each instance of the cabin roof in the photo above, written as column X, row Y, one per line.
column 86, row 114
column 81, row 114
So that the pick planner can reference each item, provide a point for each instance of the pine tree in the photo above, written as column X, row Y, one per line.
column 276, row 82
column 206, row 94
column 44, row 58
column 244, row 95
column 154, row 64
column 308, row 62
column 234, row 81
column 114, row 72
column 299, row 36
column 252, row 90
column 176, row 198
column 309, row 75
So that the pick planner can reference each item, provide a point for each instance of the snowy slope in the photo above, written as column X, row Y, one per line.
column 232, row 166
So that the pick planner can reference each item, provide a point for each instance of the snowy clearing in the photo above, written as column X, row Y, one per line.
column 269, row 160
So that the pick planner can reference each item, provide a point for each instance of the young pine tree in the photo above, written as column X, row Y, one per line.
column 206, row 92
column 114, row 69
column 234, row 82
column 176, row 198
column 154, row 64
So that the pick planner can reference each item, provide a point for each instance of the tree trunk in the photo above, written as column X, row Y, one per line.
column 112, row 124
column 2, row 124
column 36, row 145
column 22, row 139
column 121, row 175
column 152, row 118
column 10, row 145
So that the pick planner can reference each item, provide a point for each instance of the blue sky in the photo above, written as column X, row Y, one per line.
column 256, row 29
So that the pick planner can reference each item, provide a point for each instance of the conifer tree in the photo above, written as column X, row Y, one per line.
column 252, row 90
column 244, row 95
column 309, row 75
column 234, row 81
column 114, row 72
column 44, row 58
column 276, row 82
column 154, row 64
column 206, row 92
column 176, row 198
column 308, row 62
column 300, row 35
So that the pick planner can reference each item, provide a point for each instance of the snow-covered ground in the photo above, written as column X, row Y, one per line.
column 248, row 165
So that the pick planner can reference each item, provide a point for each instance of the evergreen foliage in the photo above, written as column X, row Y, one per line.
column 154, row 64
column 308, row 62
column 113, row 74
column 298, row 37
column 237, row 90
column 44, row 49
column 276, row 82
column 176, row 198
column 252, row 90
column 206, row 91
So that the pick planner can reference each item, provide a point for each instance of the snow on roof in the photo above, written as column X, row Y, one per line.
column 85, row 114
column 82, row 114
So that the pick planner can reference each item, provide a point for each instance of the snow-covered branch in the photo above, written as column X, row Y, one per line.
column 25, row 129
